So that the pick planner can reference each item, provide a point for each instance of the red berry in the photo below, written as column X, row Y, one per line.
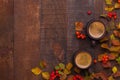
column 89, row 12
column 95, row 61
column 77, row 33
column 78, row 36
column 115, row 17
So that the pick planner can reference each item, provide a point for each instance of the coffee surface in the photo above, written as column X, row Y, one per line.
column 96, row 29
column 83, row 60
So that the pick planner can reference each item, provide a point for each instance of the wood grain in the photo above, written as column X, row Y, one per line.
column 26, row 38
column 6, row 40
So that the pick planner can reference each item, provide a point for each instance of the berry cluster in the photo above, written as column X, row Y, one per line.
column 105, row 59
column 77, row 77
column 112, row 15
column 54, row 75
column 80, row 35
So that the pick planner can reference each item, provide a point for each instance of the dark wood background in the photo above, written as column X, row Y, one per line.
column 34, row 30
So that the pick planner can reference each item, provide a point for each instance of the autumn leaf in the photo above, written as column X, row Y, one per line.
column 76, row 69
column 63, row 77
column 104, row 39
column 43, row 64
column 114, row 49
column 61, row 65
column 118, row 26
column 46, row 75
column 69, row 66
column 57, row 67
column 112, row 37
column 66, row 71
column 115, row 42
column 118, row 60
column 111, row 8
column 114, row 69
column 79, row 26
column 108, row 2
column 111, row 78
column 117, row 6
column 36, row 71
column 105, row 45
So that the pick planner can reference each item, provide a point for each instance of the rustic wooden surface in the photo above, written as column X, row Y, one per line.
column 34, row 30
column 6, row 39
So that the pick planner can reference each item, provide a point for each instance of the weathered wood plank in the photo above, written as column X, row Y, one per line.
column 53, row 32
column 26, row 38
column 6, row 39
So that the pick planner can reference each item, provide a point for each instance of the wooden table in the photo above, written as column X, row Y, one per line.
column 34, row 30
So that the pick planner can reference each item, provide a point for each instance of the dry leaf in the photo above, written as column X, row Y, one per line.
column 104, row 45
column 70, row 77
column 117, row 5
column 111, row 78
column 76, row 69
column 111, row 8
column 101, row 75
column 116, row 33
column 104, row 39
column 112, row 56
column 117, row 74
column 114, row 69
column 43, row 64
column 79, row 26
column 69, row 66
column 36, row 71
column 108, row 2
column 115, row 42
column 107, row 65
column 66, row 71
column 114, row 48
column 63, row 77
column 118, row 26
column 46, row 75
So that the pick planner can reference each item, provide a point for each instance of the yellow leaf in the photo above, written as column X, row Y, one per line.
column 108, row 1
column 118, row 26
column 67, row 71
column 109, row 8
column 112, row 36
column 111, row 78
column 117, row 5
column 36, row 71
column 69, row 66
column 114, row 69
column 46, row 75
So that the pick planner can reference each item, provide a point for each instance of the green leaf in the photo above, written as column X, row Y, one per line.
column 61, row 65
column 118, row 60
column 57, row 67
